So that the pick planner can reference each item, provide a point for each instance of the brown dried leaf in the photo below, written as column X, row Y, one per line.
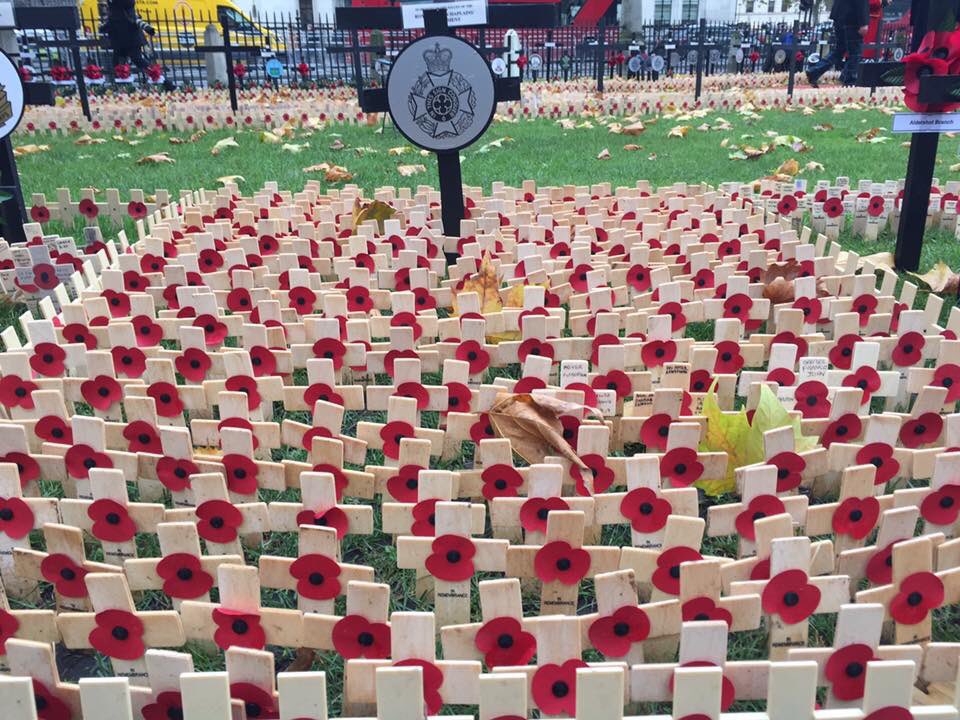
column 631, row 147
column 376, row 210
column 485, row 283
column 789, row 270
column 789, row 167
column 779, row 290
column 408, row 170
column 156, row 159
column 30, row 149
column 338, row 173
column 533, row 429
column 604, row 154
column 303, row 660
column 634, row 128
column 941, row 279
column 337, row 144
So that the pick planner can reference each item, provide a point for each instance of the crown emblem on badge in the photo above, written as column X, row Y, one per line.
column 438, row 60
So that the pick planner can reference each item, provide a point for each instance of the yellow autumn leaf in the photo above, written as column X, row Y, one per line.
column 506, row 336
column 514, row 296
column 87, row 140
column 30, row 149
column 399, row 150
column 486, row 284
column 634, row 128
column 408, row 170
column 728, row 433
column 940, row 278
column 155, row 159
column 294, row 147
column 337, row 173
column 679, row 131
column 813, row 165
column 270, row 138
column 221, row 145
column 789, row 167
column 231, row 179
column 376, row 210
column 631, row 147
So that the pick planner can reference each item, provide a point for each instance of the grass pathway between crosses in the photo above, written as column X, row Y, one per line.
column 542, row 151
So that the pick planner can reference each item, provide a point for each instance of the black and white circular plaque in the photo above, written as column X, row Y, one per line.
column 440, row 93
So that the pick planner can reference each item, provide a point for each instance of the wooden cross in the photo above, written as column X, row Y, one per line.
column 401, row 423
column 329, row 455
column 914, row 593
column 117, row 629
column 936, row 502
column 36, row 660
column 412, row 639
column 854, row 515
column 18, row 516
column 238, row 620
column 419, row 518
column 562, row 562
column 110, row 517
column 451, row 558
column 182, row 572
column 318, row 506
column 64, row 564
column 791, row 596
column 875, row 562
column 39, row 625
column 327, row 423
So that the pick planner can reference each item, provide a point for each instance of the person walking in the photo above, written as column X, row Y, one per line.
column 850, row 25
column 127, row 32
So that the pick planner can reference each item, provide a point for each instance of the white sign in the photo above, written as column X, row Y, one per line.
column 656, row 63
column 11, row 96
column 459, row 12
column 926, row 122
column 440, row 93
column 499, row 66
column 635, row 64
column 536, row 62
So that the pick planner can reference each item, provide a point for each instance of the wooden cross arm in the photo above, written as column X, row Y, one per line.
column 940, row 661
column 26, row 562
column 520, row 560
column 275, row 573
column 283, row 517
column 142, row 572
column 161, row 628
column 665, row 619
column 820, row 655
column 834, row 590
column 281, row 626
column 375, row 99
column 651, row 682
column 38, row 625
column 461, row 680
column 412, row 552
column 398, row 518
column 359, row 484
column 146, row 516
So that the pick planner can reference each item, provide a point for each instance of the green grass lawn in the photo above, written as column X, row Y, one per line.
column 541, row 151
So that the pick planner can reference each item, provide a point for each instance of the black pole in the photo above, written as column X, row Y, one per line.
column 599, row 53
column 13, row 210
column 920, row 168
column 78, row 70
column 451, row 192
column 549, row 49
column 792, row 61
column 357, row 65
column 228, row 54
column 701, row 38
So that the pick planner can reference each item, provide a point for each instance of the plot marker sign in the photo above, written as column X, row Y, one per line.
column 441, row 95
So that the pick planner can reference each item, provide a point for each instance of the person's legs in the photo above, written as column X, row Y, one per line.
column 834, row 58
column 854, row 51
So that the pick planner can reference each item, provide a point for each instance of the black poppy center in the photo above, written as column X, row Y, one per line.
column 505, row 641
column 253, row 709
column 543, row 513
column 316, row 578
column 908, row 349
column 47, row 358
column 126, row 360
column 854, row 669
column 675, row 572
column 862, row 384
column 701, row 616
column 790, row 599
column 145, row 330
column 328, row 354
column 563, row 564
column 500, row 484
column 240, row 627
column 919, row 429
column 646, row 508
column 240, row 473
column 143, row 438
column 180, row 473
column 680, row 468
column 856, row 515
column 783, row 473
column 914, row 599
column 846, row 352
column 560, row 689
column 453, row 556
column 89, row 463
column 811, row 401
column 120, row 633
column 57, row 433
column 660, row 352
column 185, row 574
column 726, row 357
column 20, row 392
column 454, row 401
column 876, row 461
column 113, row 518
column 103, row 392
column 40, row 702
column 6, row 514
column 621, row 629
column 663, row 430
column 68, row 574
column 216, row 522
column 842, row 430
column 365, row 639
column 945, row 502
column 165, row 398
column 175, row 713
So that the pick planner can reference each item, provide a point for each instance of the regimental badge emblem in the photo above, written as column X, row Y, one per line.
column 442, row 101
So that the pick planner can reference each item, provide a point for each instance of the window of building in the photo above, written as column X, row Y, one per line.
column 749, row 6
column 691, row 10
column 661, row 11
column 771, row 6
column 785, row 6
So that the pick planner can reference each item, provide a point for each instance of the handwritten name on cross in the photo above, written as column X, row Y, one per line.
column 441, row 95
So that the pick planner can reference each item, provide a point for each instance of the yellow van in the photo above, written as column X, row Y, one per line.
column 180, row 24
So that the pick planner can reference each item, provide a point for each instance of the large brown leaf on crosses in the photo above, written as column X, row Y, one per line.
column 532, row 425
column 486, row 284
column 375, row 210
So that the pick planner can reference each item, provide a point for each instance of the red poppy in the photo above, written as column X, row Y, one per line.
column 451, row 558
column 666, row 577
column 917, row 595
column 811, row 307
column 16, row 518
column 118, row 302
column 559, row 561
column 321, row 391
column 811, row 399
column 865, row 378
column 596, row 479
column 833, row 207
column 53, row 429
column 183, row 576
column 500, row 480
column 738, row 306
column 111, row 521
column 472, row 352
column 15, row 392
column 554, row 687
column 393, row 355
column 356, row 637
column 532, row 346
column 48, row 359
column 79, row 333
column 214, row 331
column 846, row 669
column 27, row 468
column 40, row 214
column 48, row 705
column 134, row 281
column 458, row 397
column 638, row 277
column 246, row 385
column 317, row 576
column 102, row 392
column 700, row 381
column 655, row 431
column 136, row 209
column 758, row 508
column 218, row 521
column 241, row 473
column 846, row 428
column 942, row 506
column 787, row 204
column 880, row 455
column 263, row 361
column 332, row 517
column 423, row 299
column 331, row 349
column 416, row 391
column 535, row 511
column 921, row 430
column 166, row 398
column 789, row 595
column 392, row 433
column 675, row 311
column 340, row 480
column 432, row 682
column 615, row 380
column 238, row 629
column 168, row 704
column 141, row 436
column 239, row 300
column 128, row 362
column 358, row 299
column 615, row 634
column 681, row 467
column 790, row 467
column 890, row 712
column 66, row 576
column 864, row 306
column 909, row 350
column 948, row 376
column 257, row 703
column 118, row 634
column 856, row 517
column 81, row 459
column 880, row 565
column 841, row 354
column 504, row 642
column 657, row 352
column 703, row 608
column 302, row 299
column 646, row 511
column 729, row 360
column 193, row 364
